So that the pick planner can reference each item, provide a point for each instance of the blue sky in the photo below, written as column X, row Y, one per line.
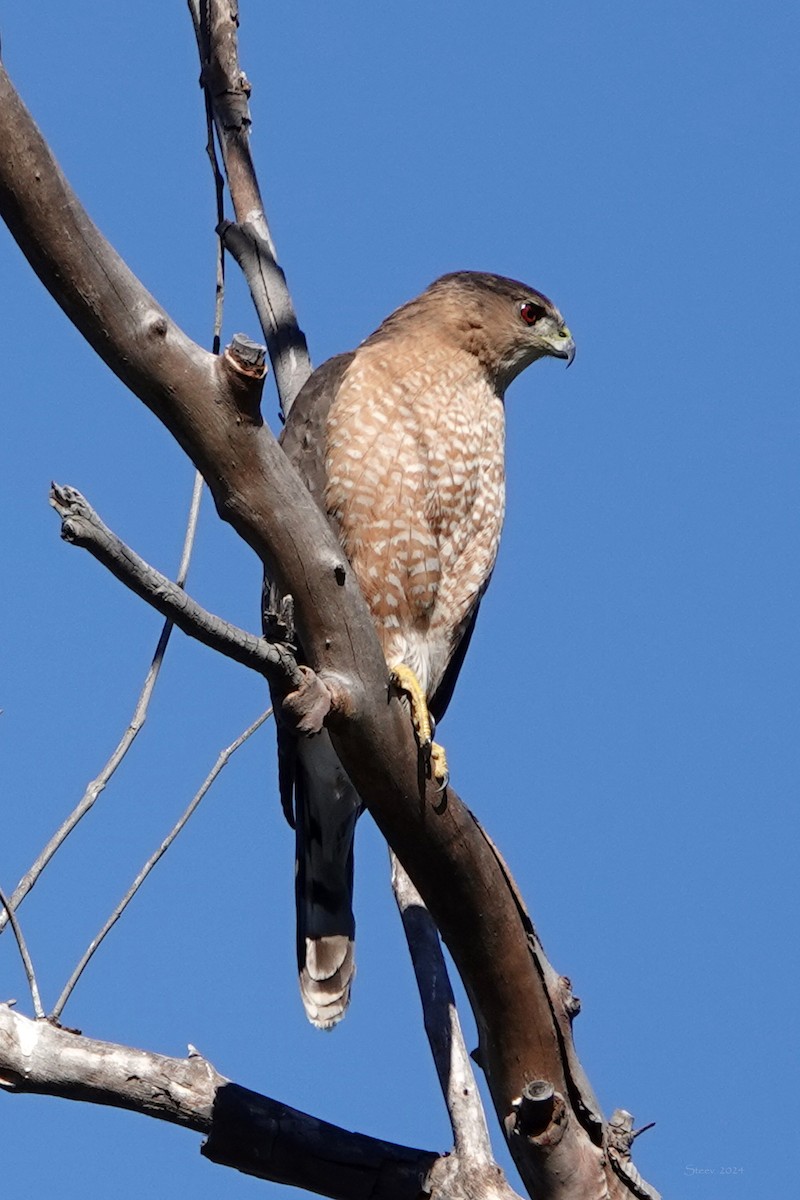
column 626, row 723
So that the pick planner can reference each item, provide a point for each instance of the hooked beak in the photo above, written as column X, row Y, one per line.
column 563, row 345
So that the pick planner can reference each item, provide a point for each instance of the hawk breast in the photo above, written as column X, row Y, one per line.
column 415, row 483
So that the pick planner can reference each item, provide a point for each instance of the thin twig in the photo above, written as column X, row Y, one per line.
column 81, row 526
column 129, row 736
column 24, row 955
column 450, row 1056
column 221, row 762
column 219, row 183
column 219, row 192
column 191, row 531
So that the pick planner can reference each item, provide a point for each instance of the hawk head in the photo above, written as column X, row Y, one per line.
column 505, row 324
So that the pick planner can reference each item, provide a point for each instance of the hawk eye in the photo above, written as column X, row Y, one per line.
column 531, row 313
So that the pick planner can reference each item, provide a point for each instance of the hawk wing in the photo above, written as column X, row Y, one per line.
column 316, row 793
column 440, row 700
column 303, row 436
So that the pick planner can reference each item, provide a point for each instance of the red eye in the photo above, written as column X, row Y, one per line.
column 531, row 313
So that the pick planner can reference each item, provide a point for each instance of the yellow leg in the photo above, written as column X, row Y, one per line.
column 406, row 681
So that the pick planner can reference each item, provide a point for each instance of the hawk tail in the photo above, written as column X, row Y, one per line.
column 326, row 809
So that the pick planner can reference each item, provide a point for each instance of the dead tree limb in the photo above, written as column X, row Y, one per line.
column 211, row 407
column 243, row 1129
column 253, row 1133
column 250, row 242
column 442, row 1026
column 81, row 526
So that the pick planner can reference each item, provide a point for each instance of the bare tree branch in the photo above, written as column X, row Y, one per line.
column 24, row 954
column 256, row 1135
column 620, row 1136
column 253, row 1133
column 222, row 761
column 450, row 1056
column 81, row 526
column 191, row 530
column 227, row 93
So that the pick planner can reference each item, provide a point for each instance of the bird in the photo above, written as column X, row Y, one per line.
column 401, row 444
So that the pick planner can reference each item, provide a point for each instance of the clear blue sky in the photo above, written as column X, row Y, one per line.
column 627, row 722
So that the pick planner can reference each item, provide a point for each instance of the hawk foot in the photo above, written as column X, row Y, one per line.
column 305, row 709
column 406, row 682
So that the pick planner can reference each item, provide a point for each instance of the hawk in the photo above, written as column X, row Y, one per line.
column 401, row 443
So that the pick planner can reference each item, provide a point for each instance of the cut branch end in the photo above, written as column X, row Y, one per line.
column 538, row 1114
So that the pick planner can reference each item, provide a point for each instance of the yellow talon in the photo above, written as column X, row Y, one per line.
column 439, row 769
column 406, row 681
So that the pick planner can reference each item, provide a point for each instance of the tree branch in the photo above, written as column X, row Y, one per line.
column 24, row 954
column 81, row 526
column 253, row 1133
column 250, row 242
column 453, row 1067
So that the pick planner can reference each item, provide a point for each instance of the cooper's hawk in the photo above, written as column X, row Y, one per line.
column 402, row 444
